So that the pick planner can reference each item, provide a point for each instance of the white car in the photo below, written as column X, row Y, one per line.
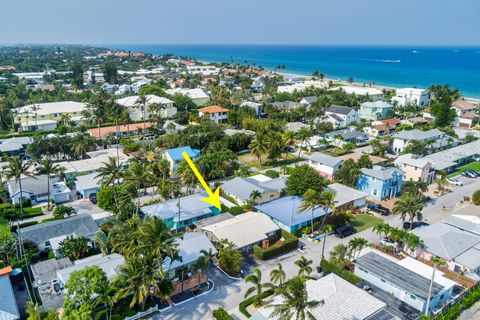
column 388, row 243
column 455, row 181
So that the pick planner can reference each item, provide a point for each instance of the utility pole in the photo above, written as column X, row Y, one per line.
column 427, row 309
column 178, row 216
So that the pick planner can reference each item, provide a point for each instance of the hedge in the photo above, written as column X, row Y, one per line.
column 344, row 274
column 49, row 219
column 221, row 314
column 24, row 225
column 290, row 243
column 245, row 303
column 235, row 210
column 32, row 212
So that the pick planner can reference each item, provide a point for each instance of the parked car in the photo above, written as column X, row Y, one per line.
column 375, row 207
column 386, row 242
column 416, row 224
column 469, row 174
column 344, row 231
column 455, row 181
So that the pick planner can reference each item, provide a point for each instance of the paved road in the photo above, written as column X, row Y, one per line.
column 228, row 293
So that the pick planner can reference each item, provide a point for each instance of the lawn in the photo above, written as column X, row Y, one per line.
column 364, row 221
column 32, row 212
column 472, row 166
column 4, row 229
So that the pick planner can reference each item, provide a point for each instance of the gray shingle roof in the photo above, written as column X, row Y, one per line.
column 243, row 187
column 339, row 109
column 8, row 304
column 416, row 134
column 381, row 173
column 37, row 185
column 81, row 225
column 325, row 159
column 397, row 275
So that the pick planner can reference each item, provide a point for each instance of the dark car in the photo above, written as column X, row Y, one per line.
column 469, row 174
column 476, row 174
column 416, row 224
column 93, row 198
column 375, row 207
column 344, row 231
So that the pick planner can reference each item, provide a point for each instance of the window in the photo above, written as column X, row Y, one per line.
column 375, row 192
column 413, row 297
column 382, row 280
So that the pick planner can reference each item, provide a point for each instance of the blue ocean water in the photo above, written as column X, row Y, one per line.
column 459, row 67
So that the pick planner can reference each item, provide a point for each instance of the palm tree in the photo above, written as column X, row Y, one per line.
column 141, row 103
column 408, row 205
column 106, row 296
column 414, row 188
column 289, row 140
column 102, row 242
column 110, row 174
column 35, row 109
column 207, row 259
column 187, row 176
column 81, row 144
column 47, row 167
column 382, row 228
column 134, row 178
column 255, row 278
column 440, row 263
column 65, row 119
column 311, row 200
column 278, row 275
column 326, row 230
column 327, row 201
column 294, row 301
column 254, row 195
column 355, row 246
column 303, row 136
column 339, row 255
column 258, row 145
column 18, row 169
column 304, row 265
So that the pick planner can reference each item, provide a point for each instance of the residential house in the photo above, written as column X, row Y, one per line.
column 49, row 234
column 407, row 280
column 380, row 183
column 418, row 97
column 171, row 126
column 308, row 101
column 136, row 109
column 416, row 121
column 109, row 264
column 372, row 93
column 47, row 115
column 341, row 116
column 258, row 107
column 231, row 132
column 15, row 146
column 374, row 111
column 182, row 212
column 198, row 96
column 434, row 139
column 241, row 189
column 244, row 231
column 36, row 189
column 88, row 184
column 132, row 129
column 346, row 197
column 8, row 303
column 456, row 240
column 450, row 159
column 341, row 300
column 383, row 127
column 415, row 168
column 302, row 85
column 287, row 105
column 296, row 126
column 324, row 164
column 216, row 114
column 190, row 246
column 354, row 136
column 95, row 161
column 175, row 156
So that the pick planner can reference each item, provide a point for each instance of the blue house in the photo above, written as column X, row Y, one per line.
column 174, row 156
column 182, row 212
column 380, row 183
column 285, row 213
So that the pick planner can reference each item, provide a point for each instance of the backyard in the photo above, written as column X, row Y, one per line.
column 364, row 221
column 250, row 160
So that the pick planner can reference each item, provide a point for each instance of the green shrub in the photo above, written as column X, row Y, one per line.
column 344, row 274
column 152, row 201
column 106, row 198
column 476, row 198
column 32, row 212
column 49, row 219
column 290, row 243
column 452, row 312
column 272, row 174
column 61, row 211
column 235, row 210
column 28, row 224
column 221, row 314
column 245, row 303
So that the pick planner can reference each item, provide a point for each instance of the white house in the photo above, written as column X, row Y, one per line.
column 466, row 113
column 415, row 168
column 361, row 91
column 241, row 189
column 258, row 107
column 136, row 109
column 341, row 116
column 198, row 96
column 36, row 189
column 419, row 97
column 324, row 164
column 435, row 138
column 216, row 114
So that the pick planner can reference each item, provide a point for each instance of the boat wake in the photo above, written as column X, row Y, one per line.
column 383, row 60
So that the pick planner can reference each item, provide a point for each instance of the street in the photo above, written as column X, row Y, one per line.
column 229, row 293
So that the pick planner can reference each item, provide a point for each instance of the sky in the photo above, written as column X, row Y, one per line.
column 355, row 22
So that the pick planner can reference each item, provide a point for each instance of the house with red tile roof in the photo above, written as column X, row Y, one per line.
column 123, row 130
column 214, row 113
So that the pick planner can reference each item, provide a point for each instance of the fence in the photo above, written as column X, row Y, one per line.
column 143, row 313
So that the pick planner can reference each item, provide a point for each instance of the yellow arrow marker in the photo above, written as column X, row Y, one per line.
column 213, row 197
